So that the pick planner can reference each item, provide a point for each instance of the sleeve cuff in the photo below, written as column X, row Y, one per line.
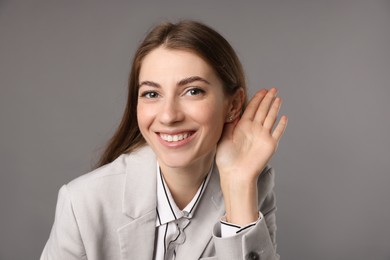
column 229, row 229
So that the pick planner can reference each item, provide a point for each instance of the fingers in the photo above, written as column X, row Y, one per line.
column 272, row 114
column 265, row 105
column 264, row 109
column 279, row 129
column 253, row 105
column 269, row 110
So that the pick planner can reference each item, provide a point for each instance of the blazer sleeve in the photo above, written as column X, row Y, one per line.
column 259, row 241
column 65, row 242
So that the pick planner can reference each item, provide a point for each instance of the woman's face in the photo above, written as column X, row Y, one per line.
column 181, row 107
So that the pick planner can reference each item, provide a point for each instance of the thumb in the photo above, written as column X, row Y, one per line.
column 228, row 129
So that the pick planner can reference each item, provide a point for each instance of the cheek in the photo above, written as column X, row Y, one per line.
column 143, row 117
column 212, row 116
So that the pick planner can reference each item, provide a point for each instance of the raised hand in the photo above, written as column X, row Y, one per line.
column 246, row 146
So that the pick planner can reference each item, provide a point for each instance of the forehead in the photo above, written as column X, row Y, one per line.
column 163, row 63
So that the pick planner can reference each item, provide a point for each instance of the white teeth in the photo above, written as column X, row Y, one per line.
column 174, row 138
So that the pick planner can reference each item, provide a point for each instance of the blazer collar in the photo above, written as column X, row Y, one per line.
column 136, row 238
column 140, row 195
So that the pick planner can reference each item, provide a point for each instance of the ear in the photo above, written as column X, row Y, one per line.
column 236, row 103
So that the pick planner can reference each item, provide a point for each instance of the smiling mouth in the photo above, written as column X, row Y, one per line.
column 175, row 138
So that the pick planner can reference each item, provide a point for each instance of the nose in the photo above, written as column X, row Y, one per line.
column 171, row 112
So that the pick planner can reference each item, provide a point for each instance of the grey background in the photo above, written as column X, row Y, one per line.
column 63, row 73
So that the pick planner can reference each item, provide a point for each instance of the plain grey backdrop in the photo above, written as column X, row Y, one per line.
column 63, row 73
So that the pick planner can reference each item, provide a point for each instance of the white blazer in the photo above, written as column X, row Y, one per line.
column 110, row 214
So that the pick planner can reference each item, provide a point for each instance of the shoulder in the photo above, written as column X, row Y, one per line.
column 101, row 176
column 109, row 178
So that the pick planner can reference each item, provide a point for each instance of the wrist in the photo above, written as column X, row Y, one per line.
column 240, row 201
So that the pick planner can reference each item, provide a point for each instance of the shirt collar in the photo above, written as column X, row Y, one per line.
column 167, row 210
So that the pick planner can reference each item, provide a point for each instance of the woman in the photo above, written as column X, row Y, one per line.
column 185, row 176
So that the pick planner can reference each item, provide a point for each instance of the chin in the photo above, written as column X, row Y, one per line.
column 175, row 162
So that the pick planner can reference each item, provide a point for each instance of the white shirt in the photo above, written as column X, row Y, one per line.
column 171, row 221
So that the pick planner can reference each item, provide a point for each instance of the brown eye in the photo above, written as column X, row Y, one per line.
column 195, row 92
column 149, row 94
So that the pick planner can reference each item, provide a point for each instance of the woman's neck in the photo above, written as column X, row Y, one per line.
column 184, row 182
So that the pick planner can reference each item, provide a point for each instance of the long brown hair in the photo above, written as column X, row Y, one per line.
column 185, row 35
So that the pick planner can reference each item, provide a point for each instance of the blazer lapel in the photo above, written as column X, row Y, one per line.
column 199, row 232
column 136, row 238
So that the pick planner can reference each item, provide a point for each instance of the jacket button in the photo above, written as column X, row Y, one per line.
column 252, row 256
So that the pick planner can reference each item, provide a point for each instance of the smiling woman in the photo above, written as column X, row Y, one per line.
column 185, row 176
column 185, row 86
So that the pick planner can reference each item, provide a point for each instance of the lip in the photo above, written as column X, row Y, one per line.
column 176, row 144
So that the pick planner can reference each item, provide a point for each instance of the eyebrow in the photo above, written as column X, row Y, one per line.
column 192, row 79
column 182, row 82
